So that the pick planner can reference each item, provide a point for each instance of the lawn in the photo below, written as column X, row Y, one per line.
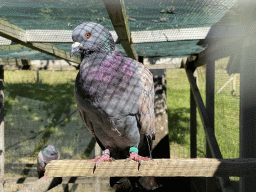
column 226, row 112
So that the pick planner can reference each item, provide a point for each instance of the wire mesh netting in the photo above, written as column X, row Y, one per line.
column 166, row 20
column 36, row 114
column 41, row 111
column 227, row 97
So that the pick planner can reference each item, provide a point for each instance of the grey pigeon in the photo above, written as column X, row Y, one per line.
column 115, row 99
column 47, row 154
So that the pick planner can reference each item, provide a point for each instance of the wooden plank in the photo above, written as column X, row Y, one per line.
column 65, row 36
column 65, row 180
column 18, row 35
column 53, row 36
column 2, row 151
column 117, row 13
column 12, row 32
column 193, row 125
column 200, row 167
column 210, row 87
column 169, row 35
column 42, row 184
column 4, row 41
column 7, row 61
column 164, row 66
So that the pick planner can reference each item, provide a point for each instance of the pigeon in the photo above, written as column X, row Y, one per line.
column 115, row 99
column 47, row 154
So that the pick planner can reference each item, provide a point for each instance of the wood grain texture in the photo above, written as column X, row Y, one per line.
column 200, row 167
column 42, row 184
column 18, row 35
column 117, row 13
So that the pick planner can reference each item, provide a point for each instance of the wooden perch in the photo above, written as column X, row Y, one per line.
column 43, row 184
column 200, row 167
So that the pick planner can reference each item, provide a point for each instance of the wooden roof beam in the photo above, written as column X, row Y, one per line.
column 156, row 36
column 18, row 35
column 117, row 13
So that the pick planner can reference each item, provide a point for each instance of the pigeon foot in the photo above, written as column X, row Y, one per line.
column 134, row 156
column 104, row 157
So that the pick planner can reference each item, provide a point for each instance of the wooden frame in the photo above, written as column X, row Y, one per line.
column 64, row 36
column 2, row 151
column 117, row 13
column 206, row 121
column 18, row 35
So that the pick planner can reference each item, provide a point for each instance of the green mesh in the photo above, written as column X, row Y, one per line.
column 144, row 15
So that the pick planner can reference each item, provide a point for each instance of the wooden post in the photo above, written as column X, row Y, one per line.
column 211, row 139
column 210, row 87
column 193, row 125
column 117, row 14
column 1, row 121
column 248, row 110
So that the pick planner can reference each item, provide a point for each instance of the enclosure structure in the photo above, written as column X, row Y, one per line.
column 153, row 29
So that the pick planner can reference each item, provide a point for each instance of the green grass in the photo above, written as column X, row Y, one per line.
column 55, row 88
column 226, row 112
column 178, row 98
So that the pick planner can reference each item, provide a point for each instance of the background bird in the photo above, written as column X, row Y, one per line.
column 47, row 154
column 115, row 100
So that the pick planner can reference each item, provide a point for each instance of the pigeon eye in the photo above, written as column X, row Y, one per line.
column 88, row 35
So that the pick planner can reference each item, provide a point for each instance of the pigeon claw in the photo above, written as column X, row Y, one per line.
column 134, row 156
column 104, row 157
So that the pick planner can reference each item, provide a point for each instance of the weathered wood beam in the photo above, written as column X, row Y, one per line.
column 54, row 36
column 65, row 180
column 43, row 184
column 117, row 13
column 2, row 151
column 65, row 36
column 209, row 106
column 18, row 35
column 164, row 66
column 193, row 125
column 169, row 35
column 7, row 61
column 200, row 167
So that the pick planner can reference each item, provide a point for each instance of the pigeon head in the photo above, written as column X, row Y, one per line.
column 91, row 37
column 49, row 151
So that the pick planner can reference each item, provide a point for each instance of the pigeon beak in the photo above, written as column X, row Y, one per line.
column 74, row 48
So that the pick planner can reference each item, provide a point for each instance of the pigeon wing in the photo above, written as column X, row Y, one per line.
column 146, row 117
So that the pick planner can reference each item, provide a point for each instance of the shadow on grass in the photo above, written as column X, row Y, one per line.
column 59, row 99
column 177, row 121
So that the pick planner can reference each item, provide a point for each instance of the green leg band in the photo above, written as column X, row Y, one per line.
column 134, row 149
